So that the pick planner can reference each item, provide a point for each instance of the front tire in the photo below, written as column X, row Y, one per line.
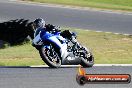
column 50, row 57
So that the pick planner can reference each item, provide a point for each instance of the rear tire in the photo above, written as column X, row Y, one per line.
column 50, row 57
column 87, row 62
column 88, row 59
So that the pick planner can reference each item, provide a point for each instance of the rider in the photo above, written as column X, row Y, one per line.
column 40, row 27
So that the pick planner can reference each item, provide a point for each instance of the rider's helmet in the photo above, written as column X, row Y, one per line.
column 39, row 23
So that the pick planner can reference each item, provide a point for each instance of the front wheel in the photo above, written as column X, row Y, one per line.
column 50, row 57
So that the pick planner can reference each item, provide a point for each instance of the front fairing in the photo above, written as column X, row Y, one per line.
column 54, row 38
column 45, row 35
column 58, row 41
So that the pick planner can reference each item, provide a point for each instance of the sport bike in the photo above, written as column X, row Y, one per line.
column 62, row 48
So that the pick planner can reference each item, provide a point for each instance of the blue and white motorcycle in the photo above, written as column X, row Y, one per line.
column 61, row 48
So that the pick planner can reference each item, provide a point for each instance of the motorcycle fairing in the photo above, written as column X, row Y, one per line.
column 58, row 41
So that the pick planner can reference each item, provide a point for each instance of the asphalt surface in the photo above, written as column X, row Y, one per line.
column 78, row 18
column 27, row 77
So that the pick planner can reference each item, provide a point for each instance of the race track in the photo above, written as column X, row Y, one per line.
column 42, row 77
column 66, row 17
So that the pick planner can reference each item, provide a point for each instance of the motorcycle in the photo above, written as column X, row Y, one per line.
column 62, row 48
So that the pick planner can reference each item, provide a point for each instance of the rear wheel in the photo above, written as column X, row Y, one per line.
column 87, row 59
column 50, row 57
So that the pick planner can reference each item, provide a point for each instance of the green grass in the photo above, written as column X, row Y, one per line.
column 22, row 55
column 108, row 48
column 104, row 4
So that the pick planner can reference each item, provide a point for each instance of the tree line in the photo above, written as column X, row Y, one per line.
column 16, row 31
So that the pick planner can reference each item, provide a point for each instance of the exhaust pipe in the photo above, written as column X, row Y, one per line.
column 71, row 61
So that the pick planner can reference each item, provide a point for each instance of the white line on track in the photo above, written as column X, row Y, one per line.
column 12, row 0
column 80, row 65
column 61, row 66
column 73, row 7
column 111, row 32
column 113, row 65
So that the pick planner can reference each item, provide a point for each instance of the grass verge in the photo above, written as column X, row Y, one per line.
column 104, row 4
column 108, row 48
column 21, row 55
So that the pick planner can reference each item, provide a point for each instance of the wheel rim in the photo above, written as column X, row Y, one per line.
column 52, row 56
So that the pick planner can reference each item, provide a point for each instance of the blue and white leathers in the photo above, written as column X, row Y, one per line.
column 37, row 40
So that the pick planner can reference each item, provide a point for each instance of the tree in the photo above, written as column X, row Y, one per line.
column 16, row 31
